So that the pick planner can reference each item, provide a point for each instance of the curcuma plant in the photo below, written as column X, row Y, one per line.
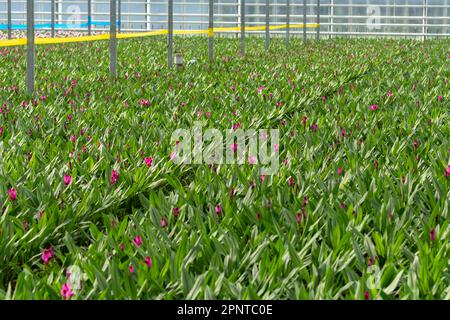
column 94, row 204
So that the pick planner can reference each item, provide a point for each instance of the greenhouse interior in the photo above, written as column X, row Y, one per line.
column 240, row 150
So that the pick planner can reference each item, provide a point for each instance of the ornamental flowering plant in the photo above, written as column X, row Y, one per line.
column 95, row 205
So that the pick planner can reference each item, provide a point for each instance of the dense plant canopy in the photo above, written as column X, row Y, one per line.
column 94, row 208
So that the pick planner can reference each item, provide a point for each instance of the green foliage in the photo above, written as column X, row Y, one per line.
column 309, row 240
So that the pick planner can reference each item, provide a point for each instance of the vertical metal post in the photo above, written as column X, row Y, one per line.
column 287, row 22
column 304, row 20
column 267, row 25
column 242, row 27
column 112, row 40
column 9, row 19
column 30, row 46
column 119, row 13
column 170, row 35
column 211, row 31
column 89, row 17
column 318, row 20
column 332, row 19
column 147, row 15
column 424, row 20
column 52, row 17
column 238, row 16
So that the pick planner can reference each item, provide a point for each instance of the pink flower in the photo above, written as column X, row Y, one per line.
column 370, row 262
column 114, row 177
column 163, row 222
column 173, row 155
column 339, row 171
column 234, row 147
column 176, row 211
column 148, row 161
column 440, row 98
column 390, row 94
column 447, row 172
column 66, row 291
column 276, row 147
column 131, row 268
column 432, row 234
column 298, row 217
column 233, row 87
column 290, row 181
column 278, row 103
column 12, row 193
column 252, row 159
column 67, row 179
column 374, row 107
column 263, row 177
column 304, row 120
column 260, row 89
column 138, row 241
column 47, row 255
column 73, row 138
column 144, row 103
column 314, row 127
column 183, row 104
column 1, row 130
column 366, row 295
column 148, row 261
column 218, row 209
column 236, row 126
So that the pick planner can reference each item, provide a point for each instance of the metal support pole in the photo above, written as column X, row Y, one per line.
column 211, row 31
column 267, row 25
column 318, row 20
column 170, row 35
column 119, row 13
column 112, row 40
column 242, row 27
column 30, row 46
column 52, row 17
column 332, row 19
column 304, row 20
column 147, row 15
column 287, row 22
column 89, row 17
column 9, row 19
column 424, row 20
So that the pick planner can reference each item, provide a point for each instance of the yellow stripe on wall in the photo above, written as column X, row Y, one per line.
column 210, row 32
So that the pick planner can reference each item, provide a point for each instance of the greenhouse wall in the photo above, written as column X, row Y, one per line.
column 398, row 18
